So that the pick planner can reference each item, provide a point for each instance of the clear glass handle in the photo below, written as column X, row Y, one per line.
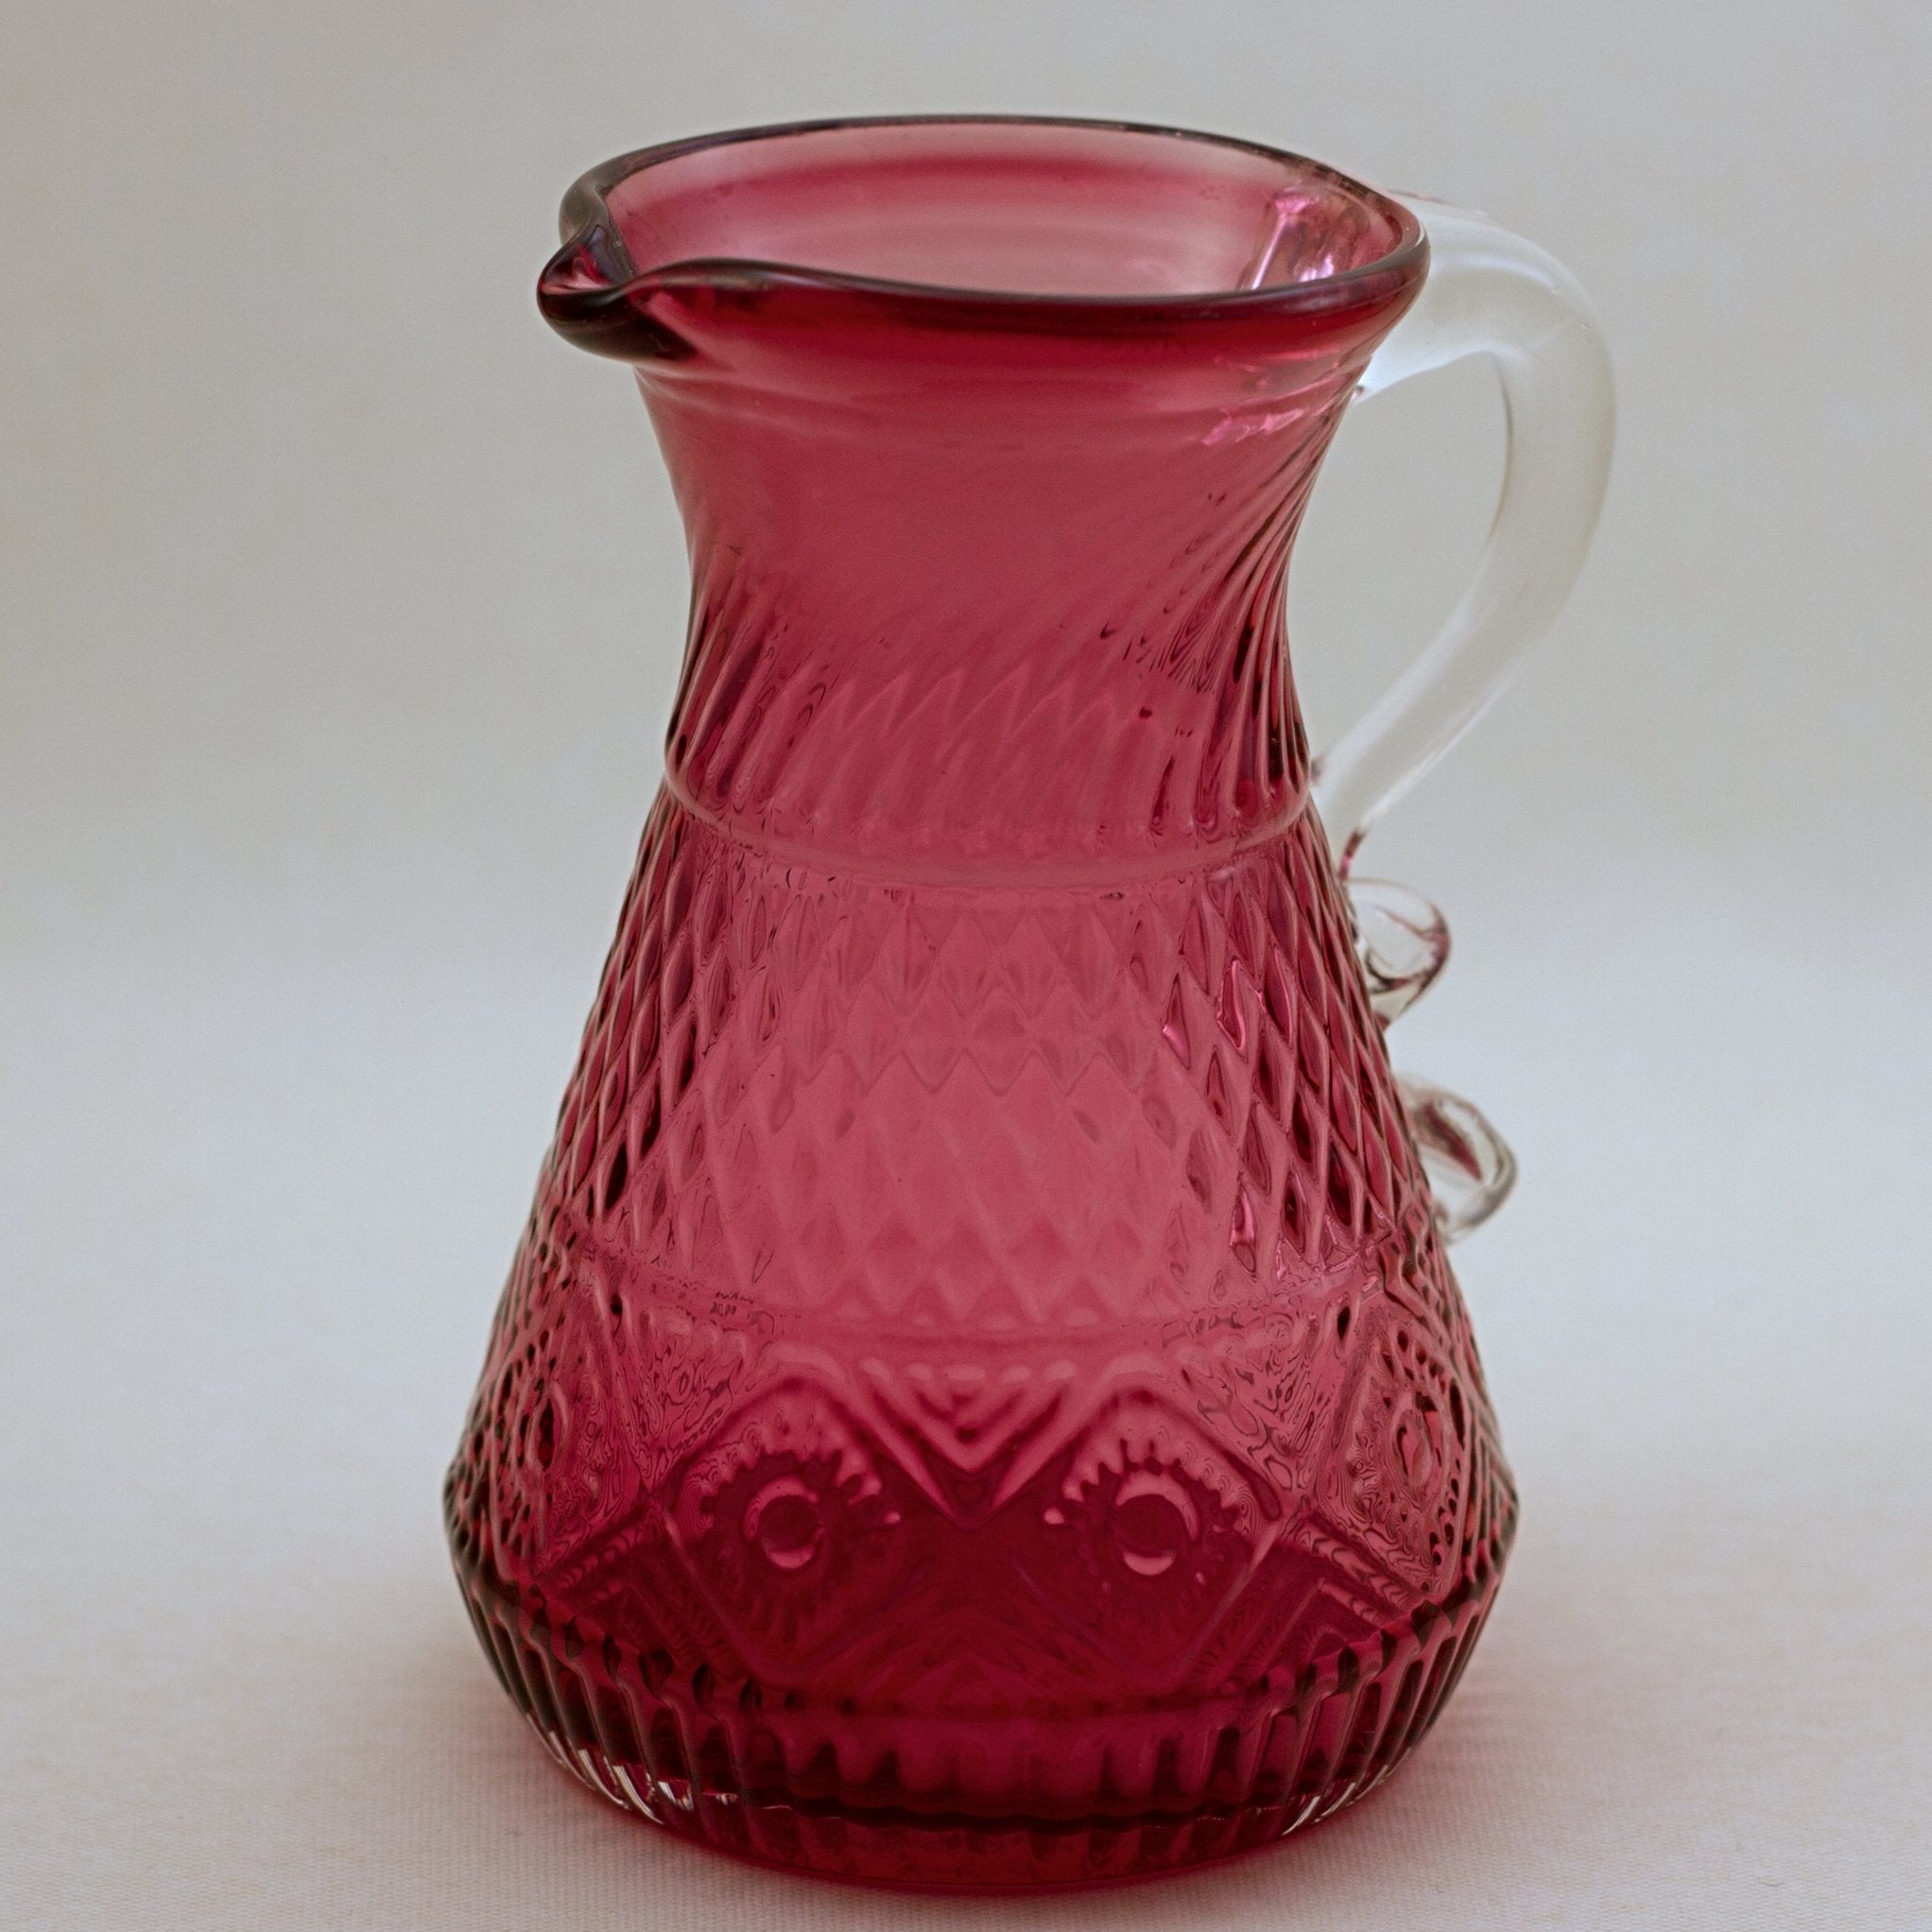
column 1488, row 293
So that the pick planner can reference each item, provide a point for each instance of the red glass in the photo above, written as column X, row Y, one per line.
column 981, row 1400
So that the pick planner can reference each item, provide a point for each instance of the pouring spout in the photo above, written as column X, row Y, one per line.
column 590, row 295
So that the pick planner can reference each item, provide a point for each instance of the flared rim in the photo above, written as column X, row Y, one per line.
column 594, row 269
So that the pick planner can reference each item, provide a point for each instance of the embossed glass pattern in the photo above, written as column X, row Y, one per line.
column 981, row 1400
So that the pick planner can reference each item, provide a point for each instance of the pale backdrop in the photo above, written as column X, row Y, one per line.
column 340, row 607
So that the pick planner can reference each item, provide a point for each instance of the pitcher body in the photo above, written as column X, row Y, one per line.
column 981, row 1400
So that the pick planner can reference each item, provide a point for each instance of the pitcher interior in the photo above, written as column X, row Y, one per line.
column 1029, row 208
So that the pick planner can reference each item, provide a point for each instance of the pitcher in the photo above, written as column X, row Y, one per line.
column 980, row 1400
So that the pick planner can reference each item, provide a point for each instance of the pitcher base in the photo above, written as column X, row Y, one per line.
column 913, row 1800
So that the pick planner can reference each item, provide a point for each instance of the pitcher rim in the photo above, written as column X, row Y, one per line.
column 592, row 269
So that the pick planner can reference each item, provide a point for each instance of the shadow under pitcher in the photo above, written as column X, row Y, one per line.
column 981, row 1400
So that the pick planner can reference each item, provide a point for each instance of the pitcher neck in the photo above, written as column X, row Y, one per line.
column 1001, row 624
column 991, row 436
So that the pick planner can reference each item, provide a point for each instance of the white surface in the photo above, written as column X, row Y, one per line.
column 340, row 613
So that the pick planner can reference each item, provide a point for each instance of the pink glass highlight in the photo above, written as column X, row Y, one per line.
column 981, row 1400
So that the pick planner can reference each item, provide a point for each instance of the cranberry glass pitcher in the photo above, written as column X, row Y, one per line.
column 981, row 1400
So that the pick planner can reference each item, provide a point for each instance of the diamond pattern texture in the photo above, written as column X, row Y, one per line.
column 958, row 1326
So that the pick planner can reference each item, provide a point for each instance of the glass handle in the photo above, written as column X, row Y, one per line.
column 1488, row 293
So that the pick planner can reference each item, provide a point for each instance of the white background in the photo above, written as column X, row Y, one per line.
column 341, row 607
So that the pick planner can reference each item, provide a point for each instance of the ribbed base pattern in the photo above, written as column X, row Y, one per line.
column 765, row 1776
